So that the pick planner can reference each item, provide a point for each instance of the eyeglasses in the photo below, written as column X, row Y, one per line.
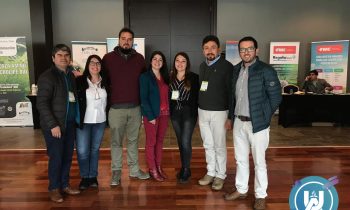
column 92, row 63
column 248, row 49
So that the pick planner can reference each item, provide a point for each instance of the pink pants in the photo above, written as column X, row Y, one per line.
column 154, row 140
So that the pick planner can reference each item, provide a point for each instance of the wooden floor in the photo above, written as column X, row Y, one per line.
column 23, row 181
column 297, row 136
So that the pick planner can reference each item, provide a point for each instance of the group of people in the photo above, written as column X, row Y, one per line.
column 121, row 89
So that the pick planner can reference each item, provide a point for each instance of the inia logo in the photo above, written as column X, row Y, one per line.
column 314, row 193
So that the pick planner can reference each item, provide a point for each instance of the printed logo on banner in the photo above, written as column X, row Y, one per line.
column 284, row 49
column 314, row 193
column 329, row 49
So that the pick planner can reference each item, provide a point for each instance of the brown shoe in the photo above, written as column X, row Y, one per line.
column 206, row 180
column 218, row 184
column 56, row 196
column 161, row 172
column 259, row 204
column 235, row 195
column 70, row 191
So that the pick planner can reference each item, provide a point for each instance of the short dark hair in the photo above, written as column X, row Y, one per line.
column 314, row 72
column 248, row 38
column 211, row 38
column 61, row 47
column 125, row 29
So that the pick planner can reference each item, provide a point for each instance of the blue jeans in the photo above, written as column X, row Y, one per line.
column 89, row 139
column 183, row 123
column 60, row 152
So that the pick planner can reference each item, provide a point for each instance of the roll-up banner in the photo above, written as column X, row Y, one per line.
column 330, row 59
column 81, row 50
column 15, row 108
column 284, row 57
column 232, row 54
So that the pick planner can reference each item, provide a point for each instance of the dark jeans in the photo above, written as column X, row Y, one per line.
column 89, row 139
column 183, row 123
column 60, row 152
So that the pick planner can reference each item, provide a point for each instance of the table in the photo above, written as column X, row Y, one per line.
column 305, row 109
column 36, row 116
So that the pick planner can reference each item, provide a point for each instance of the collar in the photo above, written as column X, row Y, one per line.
column 209, row 63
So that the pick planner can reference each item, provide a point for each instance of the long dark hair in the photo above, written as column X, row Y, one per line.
column 173, row 72
column 102, row 72
column 164, row 70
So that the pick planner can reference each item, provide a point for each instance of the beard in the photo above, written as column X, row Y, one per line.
column 210, row 57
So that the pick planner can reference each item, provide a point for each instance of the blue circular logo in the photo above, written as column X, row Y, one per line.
column 314, row 193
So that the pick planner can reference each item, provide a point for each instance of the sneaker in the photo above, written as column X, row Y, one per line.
column 259, row 204
column 140, row 175
column 93, row 182
column 115, row 180
column 70, row 191
column 56, row 196
column 235, row 195
column 206, row 180
column 84, row 184
column 217, row 184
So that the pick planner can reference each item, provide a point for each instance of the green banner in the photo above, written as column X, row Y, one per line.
column 15, row 110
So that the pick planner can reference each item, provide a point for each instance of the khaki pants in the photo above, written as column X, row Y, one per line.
column 123, row 121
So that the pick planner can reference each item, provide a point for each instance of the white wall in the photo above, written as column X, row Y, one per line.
column 281, row 20
column 15, row 21
column 86, row 20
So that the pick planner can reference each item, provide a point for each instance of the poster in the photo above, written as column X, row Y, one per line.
column 139, row 45
column 284, row 57
column 15, row 108
column 82, row 50
column 330, row 59
column 232, row 54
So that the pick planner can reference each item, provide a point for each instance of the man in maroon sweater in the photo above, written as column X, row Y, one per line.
column 124, row 66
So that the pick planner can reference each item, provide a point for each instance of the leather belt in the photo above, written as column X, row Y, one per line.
column 243, row 118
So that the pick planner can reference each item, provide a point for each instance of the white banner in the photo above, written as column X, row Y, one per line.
column 284, row 57
column 232, row 54
column 81, row 50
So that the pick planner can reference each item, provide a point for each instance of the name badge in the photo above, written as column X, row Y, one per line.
column 71, row 96
column 204, row 86
column 175, row 95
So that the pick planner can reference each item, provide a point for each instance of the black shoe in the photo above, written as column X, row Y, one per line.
column 179, row 174
column 185, row 176
column 84, row 184
column 93, row 182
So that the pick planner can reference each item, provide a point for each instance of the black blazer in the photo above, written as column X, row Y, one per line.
column 193, row 99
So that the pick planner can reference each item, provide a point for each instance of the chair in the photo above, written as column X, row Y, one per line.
column 290, row 89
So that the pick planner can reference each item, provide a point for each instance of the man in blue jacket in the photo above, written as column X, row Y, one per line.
column 256, row 94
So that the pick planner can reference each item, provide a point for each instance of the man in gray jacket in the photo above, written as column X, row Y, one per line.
column 256, row 94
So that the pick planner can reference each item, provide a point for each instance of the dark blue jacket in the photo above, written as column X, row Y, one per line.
column 150, row 96
column 264, row 93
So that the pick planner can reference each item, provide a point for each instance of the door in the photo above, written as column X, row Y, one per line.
column 171, row 26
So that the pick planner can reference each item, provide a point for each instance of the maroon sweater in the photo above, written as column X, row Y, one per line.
column 123, row 76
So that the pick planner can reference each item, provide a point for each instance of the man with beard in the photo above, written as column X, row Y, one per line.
column 214, row 98
column 256, row 94
column 124, row 66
